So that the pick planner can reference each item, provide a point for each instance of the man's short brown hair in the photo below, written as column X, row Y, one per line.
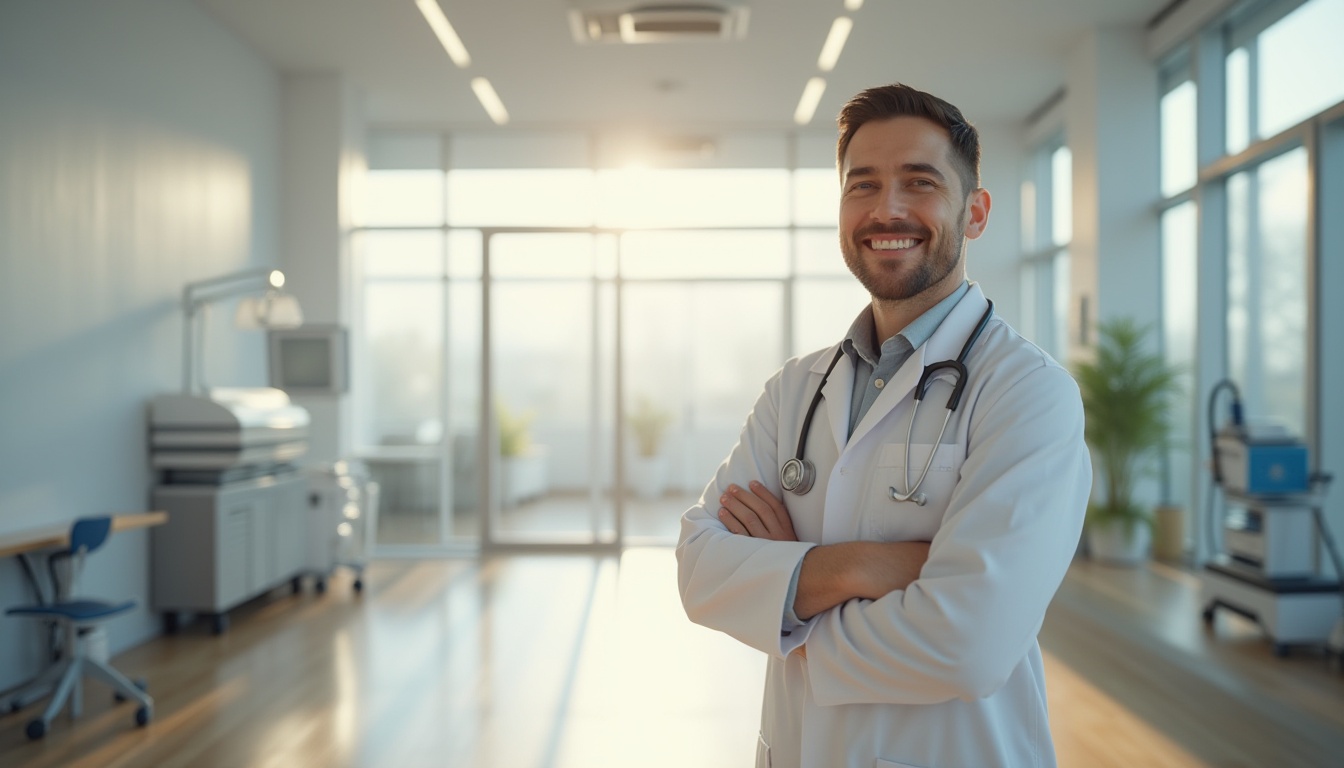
column 898, row 100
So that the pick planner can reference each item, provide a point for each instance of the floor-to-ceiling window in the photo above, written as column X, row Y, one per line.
column 1246, row 102
column 1283, row 66
column 1047, row 228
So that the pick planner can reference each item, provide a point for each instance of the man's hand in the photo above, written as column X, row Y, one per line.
column 756, row 512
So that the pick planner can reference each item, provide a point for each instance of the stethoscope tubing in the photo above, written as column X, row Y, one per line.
column 953, row 400
column 797, row 474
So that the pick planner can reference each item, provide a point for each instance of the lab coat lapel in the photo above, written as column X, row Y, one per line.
column 944, row 344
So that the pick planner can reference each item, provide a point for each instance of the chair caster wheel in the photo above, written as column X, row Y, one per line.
column 140, row 683
column 36, row 729
column 142, row 716
column 359, row 585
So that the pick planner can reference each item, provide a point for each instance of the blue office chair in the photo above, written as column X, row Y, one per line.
column 74, row 617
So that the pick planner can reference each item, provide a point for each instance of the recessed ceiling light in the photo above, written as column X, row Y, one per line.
column 835, row 43
column 444, row 31
column 807, row 105
column 853, row 5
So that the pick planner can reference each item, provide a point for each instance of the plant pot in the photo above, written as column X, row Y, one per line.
column 524, row 477
column 646, row 476
column 1117, row 544
column 1169, row 533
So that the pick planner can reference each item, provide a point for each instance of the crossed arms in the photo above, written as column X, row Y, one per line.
column 947, row 620
column 831, row 574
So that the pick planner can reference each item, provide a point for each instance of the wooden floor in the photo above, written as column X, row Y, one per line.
column 585, row 661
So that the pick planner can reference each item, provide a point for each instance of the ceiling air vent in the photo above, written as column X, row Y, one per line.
column 660, row 23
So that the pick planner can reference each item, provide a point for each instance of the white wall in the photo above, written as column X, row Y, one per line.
column 139, row 149
column 993, row 259
column 1111, row 121
column 324, row 161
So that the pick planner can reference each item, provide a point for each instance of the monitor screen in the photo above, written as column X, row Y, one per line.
column 305, row 363
column 308, row 360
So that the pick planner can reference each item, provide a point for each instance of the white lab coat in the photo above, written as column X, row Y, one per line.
column 948, row 671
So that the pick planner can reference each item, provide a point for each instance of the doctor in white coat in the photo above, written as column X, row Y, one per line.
column 900, row 633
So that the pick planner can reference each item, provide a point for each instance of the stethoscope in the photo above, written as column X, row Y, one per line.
column 798, row 474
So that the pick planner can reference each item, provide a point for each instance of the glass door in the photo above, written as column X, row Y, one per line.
column 550, row 339
column 702, row 328
column 519, row 392
column 694, row 359
column 419, row 386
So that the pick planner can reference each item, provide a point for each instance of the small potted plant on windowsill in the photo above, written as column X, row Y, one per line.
column 1126, row 392
column 647, row 469
column 522, row 463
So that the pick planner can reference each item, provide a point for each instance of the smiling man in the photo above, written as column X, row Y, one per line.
column 895, row 562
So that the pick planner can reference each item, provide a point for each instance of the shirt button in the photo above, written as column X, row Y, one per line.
column 879, row 383
column 844, row 470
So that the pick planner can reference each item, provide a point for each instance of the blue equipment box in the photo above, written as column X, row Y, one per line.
column 1263, row 469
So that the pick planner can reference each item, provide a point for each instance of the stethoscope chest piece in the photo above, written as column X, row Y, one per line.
column 797, row 475
column 914, row 495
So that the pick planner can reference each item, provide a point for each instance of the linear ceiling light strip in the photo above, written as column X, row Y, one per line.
column 444, row 31
column 835, row 43
column 490, row 100
column 807, row 105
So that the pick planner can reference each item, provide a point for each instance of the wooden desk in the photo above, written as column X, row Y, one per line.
column 58, row 534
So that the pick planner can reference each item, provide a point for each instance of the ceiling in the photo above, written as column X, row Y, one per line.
column 998, row 60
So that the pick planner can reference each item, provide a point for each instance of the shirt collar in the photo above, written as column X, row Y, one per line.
column 860, row 340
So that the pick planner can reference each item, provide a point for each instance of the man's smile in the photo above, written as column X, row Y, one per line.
column 889, row 243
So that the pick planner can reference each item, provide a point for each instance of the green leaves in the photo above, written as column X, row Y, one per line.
column 648, row 421
column 515, row 438
column 1126, row 393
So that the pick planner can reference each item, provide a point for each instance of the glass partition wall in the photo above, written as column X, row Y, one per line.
column 559, row 327
column 558, row 386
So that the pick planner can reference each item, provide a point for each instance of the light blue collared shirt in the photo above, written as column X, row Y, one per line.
column 873, row 366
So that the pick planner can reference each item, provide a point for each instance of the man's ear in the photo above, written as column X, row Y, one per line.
column 977, row 213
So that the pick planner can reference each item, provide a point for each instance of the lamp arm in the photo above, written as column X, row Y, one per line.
column 215, row 288
column 198, row 294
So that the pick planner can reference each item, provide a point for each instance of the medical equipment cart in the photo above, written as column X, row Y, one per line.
column 1269, row 571
column 343, row 503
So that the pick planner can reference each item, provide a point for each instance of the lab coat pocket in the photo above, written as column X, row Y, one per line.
column 893, row 520
column 762, row 752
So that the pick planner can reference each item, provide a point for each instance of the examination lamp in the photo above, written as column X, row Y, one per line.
column 272, row 309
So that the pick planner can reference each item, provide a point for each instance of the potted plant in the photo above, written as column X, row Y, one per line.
column 522, row 463
column 1126, row 390
column 647, row 475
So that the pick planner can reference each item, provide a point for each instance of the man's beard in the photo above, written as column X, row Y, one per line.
column 883, row 281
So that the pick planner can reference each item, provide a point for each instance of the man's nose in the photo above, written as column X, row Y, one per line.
column 890, row 206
